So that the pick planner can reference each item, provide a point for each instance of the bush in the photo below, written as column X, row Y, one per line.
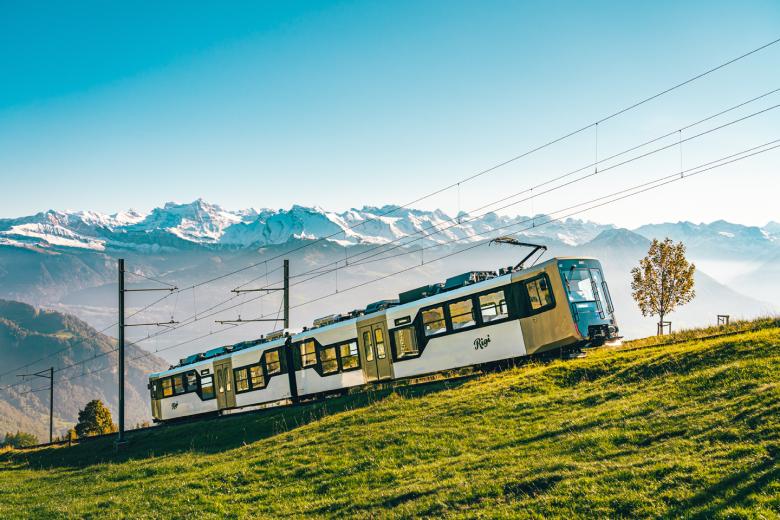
column 19, row 440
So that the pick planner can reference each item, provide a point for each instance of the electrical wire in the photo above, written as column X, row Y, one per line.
column 459, row 221
column 499, row 165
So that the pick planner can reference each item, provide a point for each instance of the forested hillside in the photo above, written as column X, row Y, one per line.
column 27, row 335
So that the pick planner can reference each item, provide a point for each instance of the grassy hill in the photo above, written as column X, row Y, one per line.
column 685, row 429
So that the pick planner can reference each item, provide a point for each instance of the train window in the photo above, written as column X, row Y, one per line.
column 462, row 314
column 272, row 364
column 242, row 379
column 256, row 376
column 207, row 387
column 493, row 306
column 308, row 353
column 368, row 345
column 604, row 286
column 349, row 355
column 167, row 387
column 178, row 384
column 379, row 341
column 329, row 361
column 433, row 321
column 192, row 381
column 405, row 342
column 538, row 293
column 579, row 283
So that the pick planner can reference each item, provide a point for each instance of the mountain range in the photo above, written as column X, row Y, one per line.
column 200, row 224
column 177, row 226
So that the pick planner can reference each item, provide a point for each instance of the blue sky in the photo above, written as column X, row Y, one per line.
column 341, row 104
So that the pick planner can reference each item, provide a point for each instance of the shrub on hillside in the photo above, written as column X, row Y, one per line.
column 19, row 440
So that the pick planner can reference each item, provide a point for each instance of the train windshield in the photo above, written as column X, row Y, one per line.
column 580, row 285
column 586, row 285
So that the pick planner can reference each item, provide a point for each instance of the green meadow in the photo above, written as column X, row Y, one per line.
column 679, row 427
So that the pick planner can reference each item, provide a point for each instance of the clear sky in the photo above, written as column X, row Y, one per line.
column 108, row 105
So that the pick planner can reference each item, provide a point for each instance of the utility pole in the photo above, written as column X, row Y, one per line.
column 286, row 293
column 51, row 405
column 121, row 340
column 47, row 374
column 121, row 394
column 285, row 288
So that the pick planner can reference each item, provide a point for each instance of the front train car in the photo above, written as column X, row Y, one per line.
column 589, row 300
column 565, row 305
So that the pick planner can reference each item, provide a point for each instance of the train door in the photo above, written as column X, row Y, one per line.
column 223, row 373
column 155, row 394
column 375, row 349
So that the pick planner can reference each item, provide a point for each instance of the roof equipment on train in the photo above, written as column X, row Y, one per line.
column 419, row 293
column 327, row 320
column 334, row 318
column 514, row 242
column 275, row 335
column 462, row 280
column 380, row 305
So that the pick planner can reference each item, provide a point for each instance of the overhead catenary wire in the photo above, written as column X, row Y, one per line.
column 356, row 260
column 532, row 219
column 490, row 169
column 460, row 221
column 675, row 177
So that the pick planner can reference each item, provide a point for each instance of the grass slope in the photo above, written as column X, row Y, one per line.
column 689, row 429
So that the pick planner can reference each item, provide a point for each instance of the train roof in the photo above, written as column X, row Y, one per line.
column 195, row 360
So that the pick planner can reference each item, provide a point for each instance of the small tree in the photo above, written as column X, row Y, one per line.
column 663, row 280
column 19, row 440
column 94, row 419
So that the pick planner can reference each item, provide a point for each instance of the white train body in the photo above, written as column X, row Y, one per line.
column 561, row 303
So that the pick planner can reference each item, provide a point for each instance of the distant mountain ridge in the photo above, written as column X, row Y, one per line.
column 200, row 224
column 28, row 334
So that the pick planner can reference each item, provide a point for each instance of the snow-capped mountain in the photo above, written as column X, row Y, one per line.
column 772, row 230
column 720, row 239
column 200, row 224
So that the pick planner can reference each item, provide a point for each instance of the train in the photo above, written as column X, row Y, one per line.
column 478, row 318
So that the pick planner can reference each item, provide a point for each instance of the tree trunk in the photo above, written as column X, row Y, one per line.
column 660, row 331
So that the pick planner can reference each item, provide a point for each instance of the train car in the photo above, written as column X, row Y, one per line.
column 223, row 379
column 477, row 318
